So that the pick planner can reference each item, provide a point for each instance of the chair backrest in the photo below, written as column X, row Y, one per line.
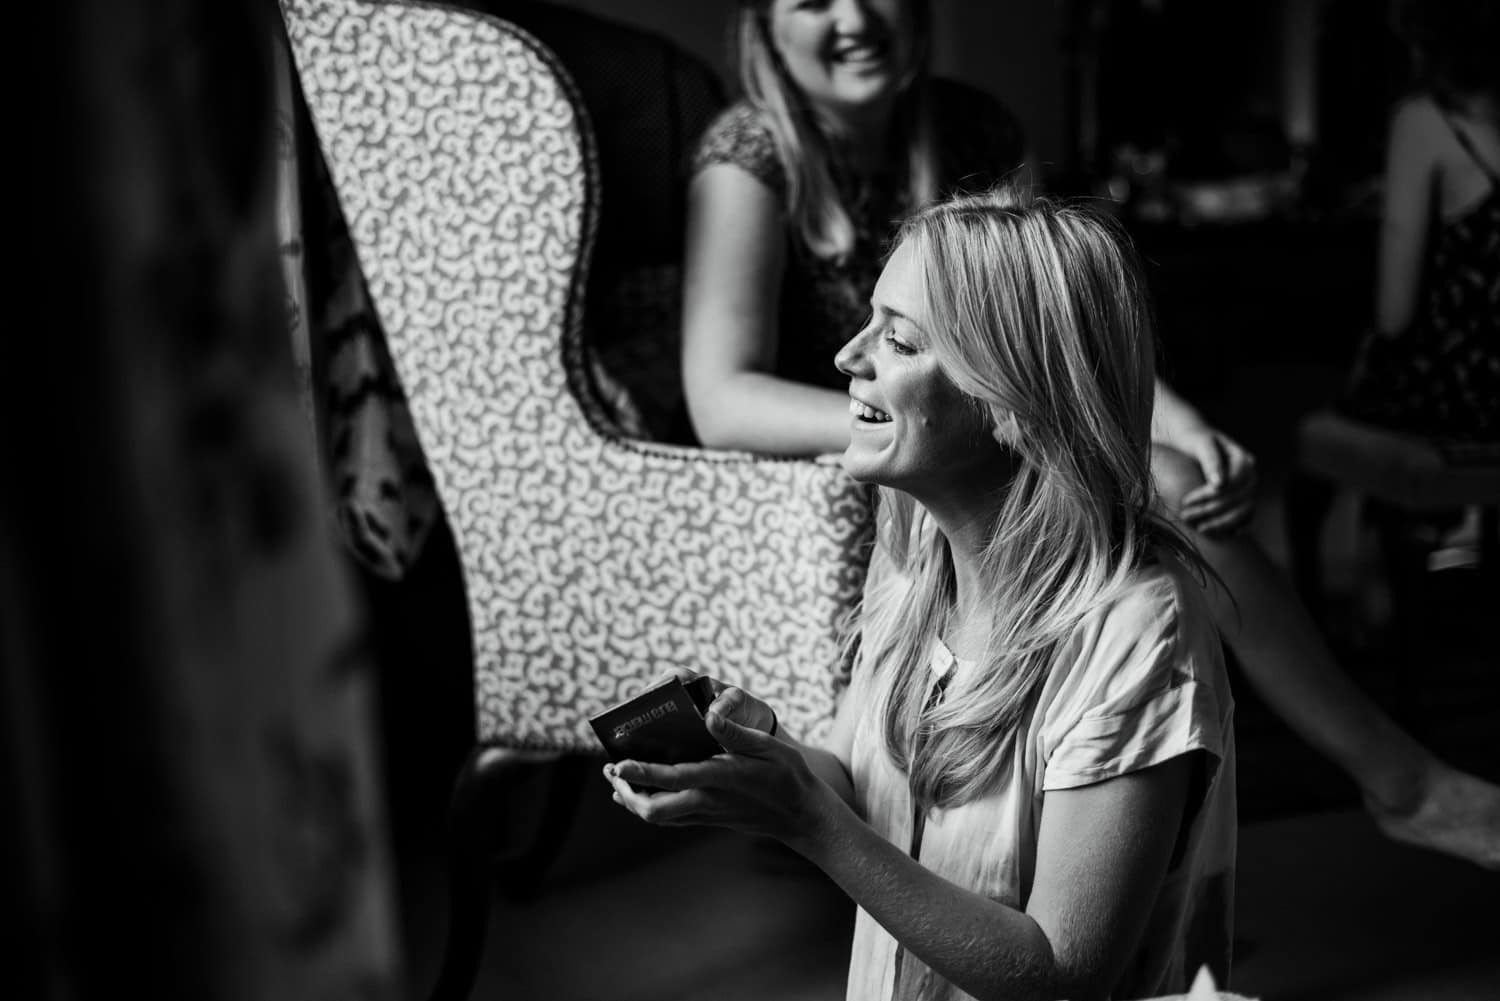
column 648, row 102
column 592, row 563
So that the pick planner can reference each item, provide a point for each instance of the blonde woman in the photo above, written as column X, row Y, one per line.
column 842, row 131
column 1030, row 787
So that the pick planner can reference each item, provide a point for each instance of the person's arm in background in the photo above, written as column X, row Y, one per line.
column 1226, row 499
column 1409, row 188
column 734, row 259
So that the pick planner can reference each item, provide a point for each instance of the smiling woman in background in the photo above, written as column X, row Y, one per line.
column 843, row 131
column 793, row 198
column 1029, row 790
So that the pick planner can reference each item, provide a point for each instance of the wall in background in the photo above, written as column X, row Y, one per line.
column 1013, row 49
column 1206, row 64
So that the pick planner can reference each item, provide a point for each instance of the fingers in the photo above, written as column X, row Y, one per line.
column 1223, row 461
column 735, row 704
column 1238, row 501
column 1221, row 520
column 1241, row 464
column 1236, row 506
column 738, row 738
column 1237, row 461
column 757, row 792
column 662, row 808
column 1196, row 498
column 1224, row 507
column 729, row 702
column 682, row 674
column 1238, row 488
column 670, row 778
column 1211, row 458
column 1234, row 491
column 1232, row 523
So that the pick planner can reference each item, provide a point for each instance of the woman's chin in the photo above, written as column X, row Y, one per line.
column 864, row 94
column 862, row 463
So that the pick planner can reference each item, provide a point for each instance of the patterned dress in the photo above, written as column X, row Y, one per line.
column 1441, row 375
column 823, row 302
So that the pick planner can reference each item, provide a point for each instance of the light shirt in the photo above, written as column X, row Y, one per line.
column 1142, row 682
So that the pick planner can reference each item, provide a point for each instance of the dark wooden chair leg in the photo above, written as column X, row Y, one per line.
column 509, row 812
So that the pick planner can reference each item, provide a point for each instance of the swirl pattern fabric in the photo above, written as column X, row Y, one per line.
column 592, row 562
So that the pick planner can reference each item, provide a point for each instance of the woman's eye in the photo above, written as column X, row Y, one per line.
column 897, row 344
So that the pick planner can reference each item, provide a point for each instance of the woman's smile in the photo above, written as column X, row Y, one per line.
column 910, row 426
column 843, row 54
column 864, row 414
column 860, row 54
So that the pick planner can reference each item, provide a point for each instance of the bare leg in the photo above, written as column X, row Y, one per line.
column 1413, row 796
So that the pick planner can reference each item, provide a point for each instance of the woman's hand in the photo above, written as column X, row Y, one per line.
column 761, row 785
column 730, row 702
column 1225, row 502
column 739, row 706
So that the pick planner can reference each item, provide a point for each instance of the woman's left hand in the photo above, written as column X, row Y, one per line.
column 1225, row 502
column 760, row 786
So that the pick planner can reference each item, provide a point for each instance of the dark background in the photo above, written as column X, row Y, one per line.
column 1259, row 303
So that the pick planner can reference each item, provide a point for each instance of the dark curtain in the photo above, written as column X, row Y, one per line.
column 189, row 758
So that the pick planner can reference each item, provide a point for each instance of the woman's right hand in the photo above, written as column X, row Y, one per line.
column 730, row 702
column 760, row 785
column 739, row 706
column 743, row 725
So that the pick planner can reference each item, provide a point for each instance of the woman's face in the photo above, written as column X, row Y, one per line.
column 910, row 427
column 845, row 55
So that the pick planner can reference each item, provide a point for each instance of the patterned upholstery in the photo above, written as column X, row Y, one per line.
column 592, row 562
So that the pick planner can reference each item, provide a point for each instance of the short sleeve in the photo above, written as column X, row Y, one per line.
column 741, row 137
column 1148, row 686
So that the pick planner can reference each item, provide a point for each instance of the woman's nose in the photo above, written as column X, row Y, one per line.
column 853, row 359
column 850, row 15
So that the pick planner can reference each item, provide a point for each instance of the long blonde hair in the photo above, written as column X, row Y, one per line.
column 1037, row 310
column 814, row 208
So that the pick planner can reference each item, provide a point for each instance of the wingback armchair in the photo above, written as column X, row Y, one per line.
column 465, row 167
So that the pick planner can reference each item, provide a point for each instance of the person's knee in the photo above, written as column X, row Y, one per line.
column 1175, row 474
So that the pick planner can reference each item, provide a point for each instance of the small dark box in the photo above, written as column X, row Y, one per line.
column 663, row 724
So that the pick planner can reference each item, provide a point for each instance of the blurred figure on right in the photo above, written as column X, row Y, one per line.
column 1431, row 365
